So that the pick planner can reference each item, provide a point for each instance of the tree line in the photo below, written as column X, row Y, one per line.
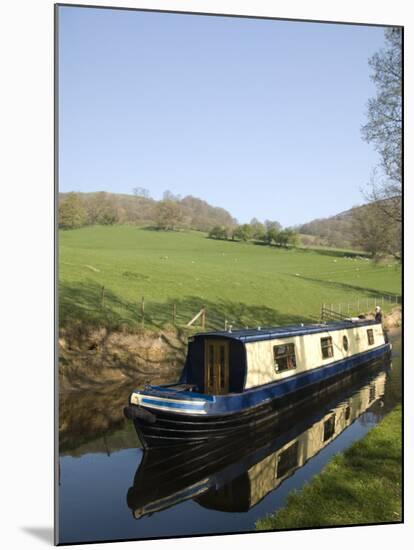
column 170, row 213
column 268, row 232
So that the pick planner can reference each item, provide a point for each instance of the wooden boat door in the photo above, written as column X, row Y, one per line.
column 216, row 367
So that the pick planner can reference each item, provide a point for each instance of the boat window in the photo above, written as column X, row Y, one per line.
column 345, row 343
column 284, row 357
column 347, row 412
column 329, row 428
column 370, row 334
column 371, row 393
column 327, row 347
column 287, row 460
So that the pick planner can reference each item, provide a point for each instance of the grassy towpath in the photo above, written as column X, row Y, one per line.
column 360, row 486
column 246, row 284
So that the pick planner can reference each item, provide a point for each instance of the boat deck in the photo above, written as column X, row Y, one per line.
column 257, row 334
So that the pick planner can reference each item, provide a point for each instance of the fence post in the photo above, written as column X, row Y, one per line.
column 143, row 311
column 103, row 297
column 225, row 324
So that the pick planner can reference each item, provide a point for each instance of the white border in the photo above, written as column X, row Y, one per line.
column 26, row 290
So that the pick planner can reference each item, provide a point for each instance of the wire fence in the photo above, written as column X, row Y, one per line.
column 362, row 305
column 100, row 306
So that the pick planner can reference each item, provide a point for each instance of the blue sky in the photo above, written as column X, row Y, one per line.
column 261, row 117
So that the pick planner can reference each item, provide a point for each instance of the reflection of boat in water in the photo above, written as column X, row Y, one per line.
column 236, row 473
column 237, row 380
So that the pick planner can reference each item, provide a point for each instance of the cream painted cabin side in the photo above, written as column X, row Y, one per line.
column 260, row 355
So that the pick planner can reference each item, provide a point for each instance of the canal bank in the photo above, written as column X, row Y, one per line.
column 90, row 358
column 362, row 485
column 100, row 460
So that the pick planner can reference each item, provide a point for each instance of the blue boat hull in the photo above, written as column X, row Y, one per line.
column 227, row 415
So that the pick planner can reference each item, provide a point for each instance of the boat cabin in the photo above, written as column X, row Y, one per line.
column 225, row 362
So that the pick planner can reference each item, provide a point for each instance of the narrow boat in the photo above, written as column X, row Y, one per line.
column 236, row 474
column 237, row 379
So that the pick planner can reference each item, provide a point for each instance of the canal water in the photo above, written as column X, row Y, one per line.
column 110, row 490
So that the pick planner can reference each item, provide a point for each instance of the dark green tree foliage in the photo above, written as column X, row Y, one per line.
column 272, row 235
column 219, row 232
column 285, row 237
column 242, row 232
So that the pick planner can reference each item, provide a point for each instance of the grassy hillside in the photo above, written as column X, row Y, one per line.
column 247, row 284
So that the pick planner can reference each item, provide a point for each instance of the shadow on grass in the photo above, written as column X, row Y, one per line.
column 335, row 252
column 366, row 292
column 82, row 303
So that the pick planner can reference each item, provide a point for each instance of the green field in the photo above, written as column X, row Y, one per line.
column 246, row 284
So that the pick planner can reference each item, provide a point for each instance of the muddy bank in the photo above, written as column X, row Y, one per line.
column 393, row 319
column 91, row 358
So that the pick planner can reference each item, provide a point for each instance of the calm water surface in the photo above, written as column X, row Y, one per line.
column 109, row 491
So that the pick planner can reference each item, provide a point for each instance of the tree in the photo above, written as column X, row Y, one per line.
column 272, row 234
column 292, row 237
column 169, row 196
column 103, row 209
column 282, row 238
column 168, row 215
column 269, row 224
column 141, row 192
column 72, row 213
column 375, row 234
column 258, row 230
column 384, row 126
column 218, row 232
column 242, row 232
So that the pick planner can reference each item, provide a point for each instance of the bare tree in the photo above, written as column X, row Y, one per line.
column 170, row 196
column 168, row 214
column 384, row 126
column 373, row 233
column 141, row 192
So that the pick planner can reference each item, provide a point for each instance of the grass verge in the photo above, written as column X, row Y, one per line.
column 360, row 486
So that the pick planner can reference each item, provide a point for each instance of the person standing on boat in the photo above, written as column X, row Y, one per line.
column 378, row 314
